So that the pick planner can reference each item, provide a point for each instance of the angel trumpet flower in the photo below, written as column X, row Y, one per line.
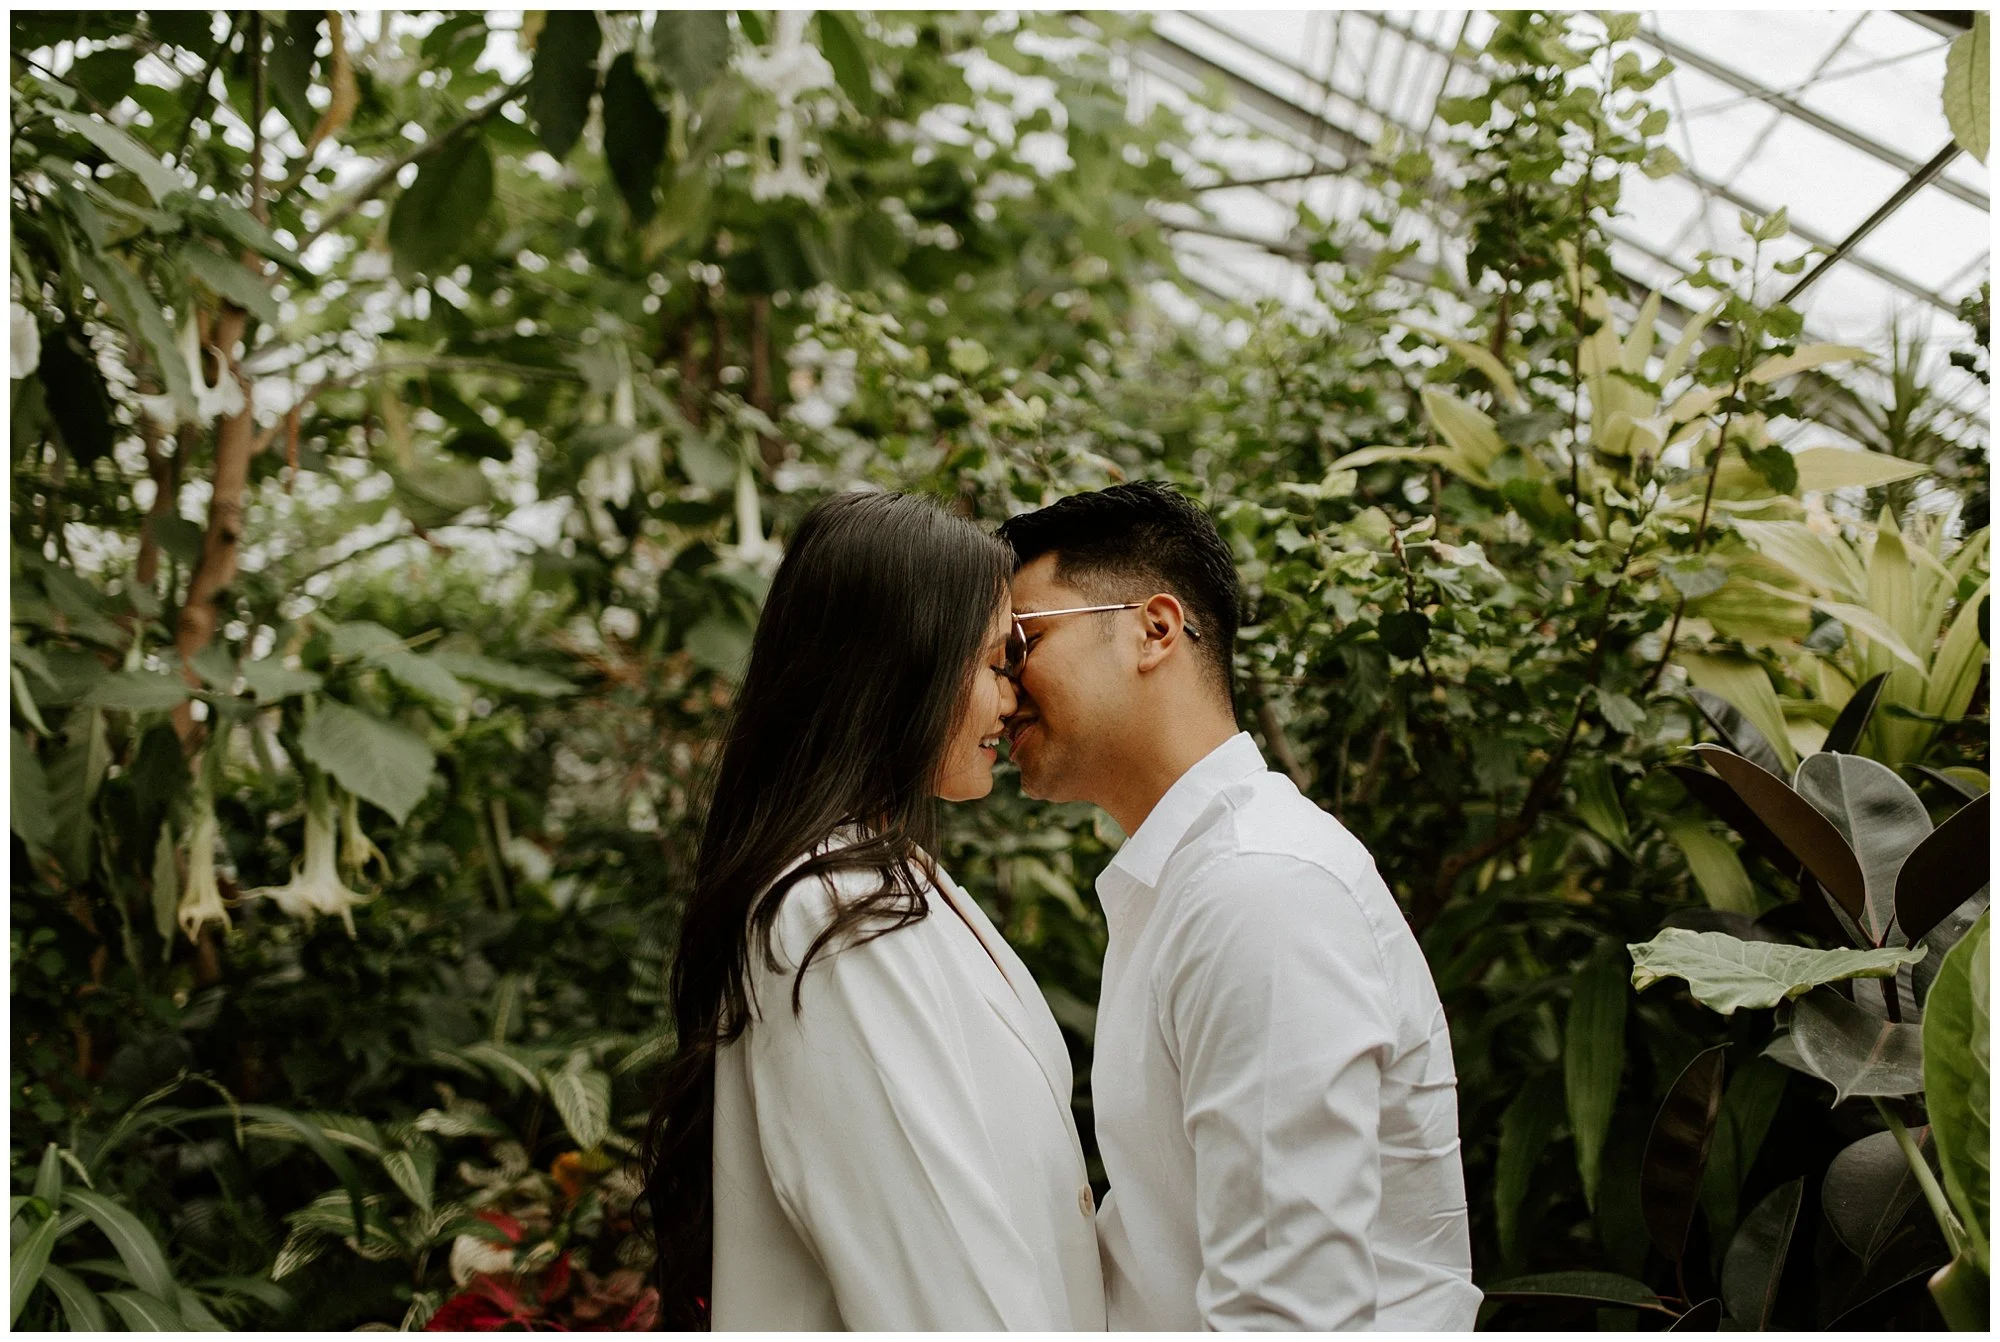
column 201, row 899
column 356, row 848
column 316, row 887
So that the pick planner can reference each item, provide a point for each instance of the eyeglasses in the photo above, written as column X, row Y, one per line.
column 1017, row 638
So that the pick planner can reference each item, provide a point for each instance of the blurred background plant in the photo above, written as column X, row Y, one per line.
column 391, row 511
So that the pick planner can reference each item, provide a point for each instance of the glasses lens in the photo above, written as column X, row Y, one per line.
column 1017, row 648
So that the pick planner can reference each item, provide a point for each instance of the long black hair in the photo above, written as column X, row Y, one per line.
column 861, row 663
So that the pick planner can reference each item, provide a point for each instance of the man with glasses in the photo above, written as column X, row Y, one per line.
column 1272, row 1084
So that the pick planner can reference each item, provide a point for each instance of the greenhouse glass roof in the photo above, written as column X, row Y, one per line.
column 1835, row 115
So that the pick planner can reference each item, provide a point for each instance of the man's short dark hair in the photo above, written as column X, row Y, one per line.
column 1114, row 542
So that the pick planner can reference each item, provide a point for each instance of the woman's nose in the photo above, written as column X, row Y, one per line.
column 1009, row 701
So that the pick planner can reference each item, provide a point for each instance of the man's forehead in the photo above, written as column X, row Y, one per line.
column 1036, row 585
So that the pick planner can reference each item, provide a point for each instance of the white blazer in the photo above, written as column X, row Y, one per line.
column 900, row 1155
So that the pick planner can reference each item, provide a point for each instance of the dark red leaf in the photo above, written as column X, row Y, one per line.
column 1677, row 1152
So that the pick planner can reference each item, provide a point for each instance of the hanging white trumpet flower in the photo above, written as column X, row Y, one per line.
column 356, row 848
column 316, row 887
column 220, row 399
column 788, row 177
column 201, row 898
column 24, row 342
column 751, row 545
column 792, row 66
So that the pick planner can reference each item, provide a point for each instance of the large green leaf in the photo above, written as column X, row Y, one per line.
column 1716, row 868
column 1728, row 975
column 1807, row 835
column 1949, row 867
column 138, row 692
column 145, row 1312
column 1749, row 1106
column 1967, row 88
column 1723, row 803
column 271, row 680
column 1605, row 1288
column 1868, row 1189
column 1877, row 814
column 141, row 314
column 1470, row 433
column 1677, row 1152
column 564, row 78
column 425, row 677
column 414, row 1171
column 375, row 760
column 435, row 219
column 434, row 491
column 582, row 1096
column 840, row 42
column 1737, row 731
column 1854, row 716
column 1823, row 468
column 28, row 803
column 1594, row 1058
column 121, row 148
column 1853, row 1050
column 1755, row 1263
column 482, row 670
column 1744, row 686
column 230, row 280
column 135, row 1245
column 635, row 135
column 80, row 1306
column 315, row 1137
column 75, row 772
column 29, row 1257
column 691, row 47
column 1958, row 1078
column 1596, row 793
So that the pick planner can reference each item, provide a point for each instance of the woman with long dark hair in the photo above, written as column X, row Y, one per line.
column 866, row 1123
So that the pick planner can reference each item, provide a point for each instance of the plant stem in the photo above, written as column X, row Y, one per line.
column 1954, row 1233
column 382, row 180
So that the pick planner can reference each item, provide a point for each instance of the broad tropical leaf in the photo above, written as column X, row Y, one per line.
column 1877, row 814
column 1594, row 1059
column 1728, row 975
column 1958, row 1078
column 135, row 1245
column 1868, row 1189
column 1852, row 1050
column 582, row 1096
column 1677, row 1151
column 1755, row 1262
column 1809, row 836
column 375, row 760
column 1606, row 1288
column 1949, row 867
column 564, row 78
column 1967, row 88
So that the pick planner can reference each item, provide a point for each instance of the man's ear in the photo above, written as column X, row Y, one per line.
column 1165, row 625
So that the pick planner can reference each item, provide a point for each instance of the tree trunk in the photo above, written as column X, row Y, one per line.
column 235, row 443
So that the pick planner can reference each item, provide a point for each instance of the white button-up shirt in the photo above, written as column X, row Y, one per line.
column 1273, row 1084
column 900, row 1154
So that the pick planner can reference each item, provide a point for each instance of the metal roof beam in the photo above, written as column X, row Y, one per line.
column 1742, row 202
column 1895, row 158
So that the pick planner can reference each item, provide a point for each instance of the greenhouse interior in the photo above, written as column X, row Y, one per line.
column 412, row 412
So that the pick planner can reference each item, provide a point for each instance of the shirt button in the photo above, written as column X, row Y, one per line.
column 1084, row 1202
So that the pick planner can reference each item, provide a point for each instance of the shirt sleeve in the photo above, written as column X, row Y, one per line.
column 1276, row 1002
column 877, row 1147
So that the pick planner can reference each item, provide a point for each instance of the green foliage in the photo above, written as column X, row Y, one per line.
column 444, row 650
column 1728, row 975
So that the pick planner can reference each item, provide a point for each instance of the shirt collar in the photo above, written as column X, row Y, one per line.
column 1144, row 855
